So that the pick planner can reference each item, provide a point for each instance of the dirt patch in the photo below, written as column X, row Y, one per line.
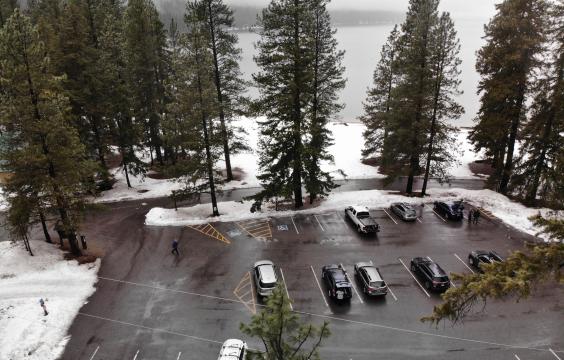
column 113, row 160
column 157, row 175
column 83, row 259
column 142, row 191
column 371, row 161
column 481, row 167
column 238, row 173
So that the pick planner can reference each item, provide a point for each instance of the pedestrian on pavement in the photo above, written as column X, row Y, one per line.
column 476, row 216
column 175, row 247
column 421, row 210
column 42, row 303
column 470, row 216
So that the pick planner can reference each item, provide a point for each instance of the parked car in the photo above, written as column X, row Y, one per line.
column 360, row 216
column 478, row 257
column 232, row 349
column 265, row 277
column 370, row 278
column 452, row 210
column 338, row 284
column 405, row 211
column 430, row 273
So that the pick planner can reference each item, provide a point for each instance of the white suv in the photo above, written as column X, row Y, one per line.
column 265, row 277
column 232, row 349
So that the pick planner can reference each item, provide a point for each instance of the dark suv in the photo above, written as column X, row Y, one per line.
column 337, row 281
column 430, row 273
column 478, row 257
column 452, row 210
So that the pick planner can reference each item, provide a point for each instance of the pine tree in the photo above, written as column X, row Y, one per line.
column 538, row 172
column 145, row 42
column 229, row 85
column 126, row 130
column 6, row 9
column 327, row 80
column 284, row 82
column 514, row 36
column 377, row 105
column 283, row 334
column 196, row 106
column 45, row 156
column 444, row 64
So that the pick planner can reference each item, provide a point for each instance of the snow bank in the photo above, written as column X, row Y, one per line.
column 510, row 212
column 64, row 285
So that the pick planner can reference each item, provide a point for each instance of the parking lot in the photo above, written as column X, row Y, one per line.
column 150, row 304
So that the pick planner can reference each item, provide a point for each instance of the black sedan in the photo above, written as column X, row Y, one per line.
column 478, row 257
column 452, row 210
column 337, row 282
column 430, row 273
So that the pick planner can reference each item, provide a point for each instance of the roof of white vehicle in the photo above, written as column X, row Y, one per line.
column 231, row 349
column 358, row 208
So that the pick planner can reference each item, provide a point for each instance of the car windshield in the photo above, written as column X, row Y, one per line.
column 362, row 215
column 377, row 284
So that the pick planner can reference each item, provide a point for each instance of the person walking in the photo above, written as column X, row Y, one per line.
column 175, row 247
column 42, row 303
column 421, row 210
column 476, row 216
column 470, row 216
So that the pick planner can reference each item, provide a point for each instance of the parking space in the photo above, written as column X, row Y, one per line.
column 186, row 306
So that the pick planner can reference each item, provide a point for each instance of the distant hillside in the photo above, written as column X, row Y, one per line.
column 246, row 16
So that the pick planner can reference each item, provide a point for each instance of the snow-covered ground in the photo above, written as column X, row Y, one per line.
column 25, row 333
column 510, row 212
column 348, row 143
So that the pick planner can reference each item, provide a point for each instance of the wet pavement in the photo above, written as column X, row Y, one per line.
column 150, row 304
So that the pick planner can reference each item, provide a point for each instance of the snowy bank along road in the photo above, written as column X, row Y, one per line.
column 150, row 304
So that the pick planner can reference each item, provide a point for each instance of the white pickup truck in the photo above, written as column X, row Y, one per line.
column 361, row 218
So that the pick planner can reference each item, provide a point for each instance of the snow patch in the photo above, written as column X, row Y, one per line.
column 512, row 213
column 64, row 286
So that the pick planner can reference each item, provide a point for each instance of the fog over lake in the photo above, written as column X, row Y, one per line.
column 362, row 46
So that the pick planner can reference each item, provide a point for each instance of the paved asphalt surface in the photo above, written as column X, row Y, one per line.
column 150, row 304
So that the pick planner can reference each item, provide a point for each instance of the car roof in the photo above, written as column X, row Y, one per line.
column 359, row 208
column 337, row 272
column 266, row 271
column 373, row 274
column 231, row 349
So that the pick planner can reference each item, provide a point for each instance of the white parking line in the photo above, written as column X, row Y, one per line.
column 178, row 357
column 553, row 353
column 391, row 292
column 390, row 216
column 462, row 261
column 414, row 278
column 315, row 216
column 297, row 232
column 420, row 220
column 319, row 286
column 286, row 288
column 517, row 357
column 135, row 357
column 94, row 353
column 340, row 217
column 436, row 213
column 352, row 284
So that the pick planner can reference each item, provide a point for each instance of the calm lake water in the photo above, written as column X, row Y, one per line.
column 362, row 46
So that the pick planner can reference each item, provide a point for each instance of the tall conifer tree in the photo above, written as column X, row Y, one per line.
column 45, row 155
column 514, row 36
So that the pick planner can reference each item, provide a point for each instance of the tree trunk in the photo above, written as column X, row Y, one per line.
column 219, row 90
column 215, row 211
column 44, row 226
column 296, row 117
column 508, row 166
column 126, row 175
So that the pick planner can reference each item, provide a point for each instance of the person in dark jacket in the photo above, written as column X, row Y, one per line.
column 470, row 216
column 175, row 247
column 476, row 216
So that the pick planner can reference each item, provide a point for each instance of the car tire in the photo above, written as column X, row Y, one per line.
column 413, row 268
column 358, row 228
column 470, row 261
column 427, row 285
column 329, row 293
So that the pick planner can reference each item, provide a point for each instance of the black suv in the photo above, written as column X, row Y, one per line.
column 430, row 273
column 337, row 281
column 478, row 257
column 452, row 210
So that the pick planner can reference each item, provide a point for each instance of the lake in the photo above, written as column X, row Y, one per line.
column 362, row 46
